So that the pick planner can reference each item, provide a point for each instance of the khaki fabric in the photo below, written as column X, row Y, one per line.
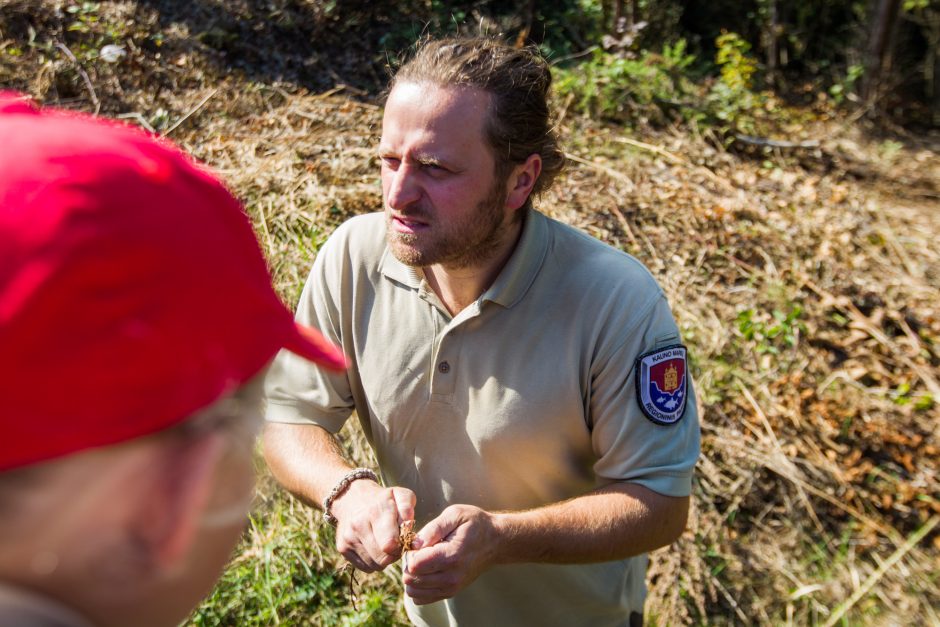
column 25, row 608
column 526, row 397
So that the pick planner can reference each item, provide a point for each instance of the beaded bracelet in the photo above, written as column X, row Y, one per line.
column 352, row 475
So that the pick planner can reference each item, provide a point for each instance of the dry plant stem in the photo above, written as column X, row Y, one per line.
column 865, row 324
column 191, row 111
column 84, row 75
column 406, row 537
column 352, row 583
column 602, row 168
column 776, row 444
column 912, row 541
column 673, row 158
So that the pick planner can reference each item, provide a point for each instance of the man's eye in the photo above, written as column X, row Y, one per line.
column 391, row 162
column 434, row 168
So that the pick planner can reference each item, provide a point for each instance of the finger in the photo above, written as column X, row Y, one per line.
column 405, row 501
column 430, row 560
column 437, row 529
column 422, row 596
column 386, row 531
column 382, row 543
column 355, row 543
column 429, row 581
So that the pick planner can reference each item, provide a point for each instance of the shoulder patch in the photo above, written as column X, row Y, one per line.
column 662, row 384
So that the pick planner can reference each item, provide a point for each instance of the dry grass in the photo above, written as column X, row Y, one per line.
column 806, row 284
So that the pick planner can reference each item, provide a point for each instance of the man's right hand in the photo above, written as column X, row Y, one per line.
column 370, row 518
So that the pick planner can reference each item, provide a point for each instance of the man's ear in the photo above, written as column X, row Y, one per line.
column 521, row 181
column 182, row 487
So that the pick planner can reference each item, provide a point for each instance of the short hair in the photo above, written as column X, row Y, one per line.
column 519, row 82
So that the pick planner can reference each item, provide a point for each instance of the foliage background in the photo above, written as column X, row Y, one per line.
column 790, row 216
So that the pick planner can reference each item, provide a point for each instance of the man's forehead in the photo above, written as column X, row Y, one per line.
column 434, row 114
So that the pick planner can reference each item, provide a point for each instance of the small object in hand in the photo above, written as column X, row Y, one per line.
column 406, row 535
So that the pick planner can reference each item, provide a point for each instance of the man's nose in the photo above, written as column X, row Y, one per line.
column 403, row 188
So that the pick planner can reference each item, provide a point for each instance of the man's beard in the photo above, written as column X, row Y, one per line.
column 466, row 244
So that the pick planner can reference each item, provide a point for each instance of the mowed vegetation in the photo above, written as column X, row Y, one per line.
column 791, row 219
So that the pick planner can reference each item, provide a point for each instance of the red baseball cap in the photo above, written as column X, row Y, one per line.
column 133, row 291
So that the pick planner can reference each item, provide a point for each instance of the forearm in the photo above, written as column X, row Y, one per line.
column 614, row 522
column 306, row 459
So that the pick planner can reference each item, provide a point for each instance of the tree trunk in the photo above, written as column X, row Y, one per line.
column 878, row 54
column 773, row 46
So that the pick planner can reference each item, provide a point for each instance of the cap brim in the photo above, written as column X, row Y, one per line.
column 310, row 344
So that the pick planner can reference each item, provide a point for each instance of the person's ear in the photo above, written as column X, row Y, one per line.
column 182, row 489
column 522, row 180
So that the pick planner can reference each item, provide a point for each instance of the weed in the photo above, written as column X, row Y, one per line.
column 842, row 89
column 902, row 395
column 731, row 98
column 628, row 88
column 771, row 332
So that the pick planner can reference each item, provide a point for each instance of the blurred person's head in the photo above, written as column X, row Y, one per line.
column 136, row 315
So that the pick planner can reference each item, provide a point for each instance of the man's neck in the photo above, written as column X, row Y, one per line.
column 457, row 288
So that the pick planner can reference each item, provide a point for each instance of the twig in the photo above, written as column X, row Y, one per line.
column 348, row 567
column 776, row 444
column 83, row 74
column 137, row 117
column 730, row 599
column 676, row 159
column 191, row 112
column 876, row 576
column 575, row 55
column 865, row 324
column 887, row 532
column 626, row 227
column 775, row 143
column 264, row 227
column 603, row 168
column 624, row 224
column 651, row 148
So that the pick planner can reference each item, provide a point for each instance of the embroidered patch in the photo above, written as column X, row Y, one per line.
column 662, row 383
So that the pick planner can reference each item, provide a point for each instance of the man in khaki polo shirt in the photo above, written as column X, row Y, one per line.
column 523, row 385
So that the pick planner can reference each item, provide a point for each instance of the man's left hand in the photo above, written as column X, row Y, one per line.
column 450, row 552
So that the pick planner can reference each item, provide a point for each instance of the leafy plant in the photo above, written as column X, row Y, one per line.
column 842, row 89
column 771, row 332
column 626, row 88
column 731, row 97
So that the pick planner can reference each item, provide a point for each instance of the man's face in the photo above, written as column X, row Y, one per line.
column 443, row 202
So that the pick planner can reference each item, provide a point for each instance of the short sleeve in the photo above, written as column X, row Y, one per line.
column 631, row 446
column 296, row 390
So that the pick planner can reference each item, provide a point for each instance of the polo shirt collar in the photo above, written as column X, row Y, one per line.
column 515, row 278
column 397, row 271
column 523, row 266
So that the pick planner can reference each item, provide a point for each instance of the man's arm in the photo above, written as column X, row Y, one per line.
column 613, row 522
column 309, row 462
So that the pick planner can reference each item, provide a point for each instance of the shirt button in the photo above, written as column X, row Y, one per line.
column 443, row 367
